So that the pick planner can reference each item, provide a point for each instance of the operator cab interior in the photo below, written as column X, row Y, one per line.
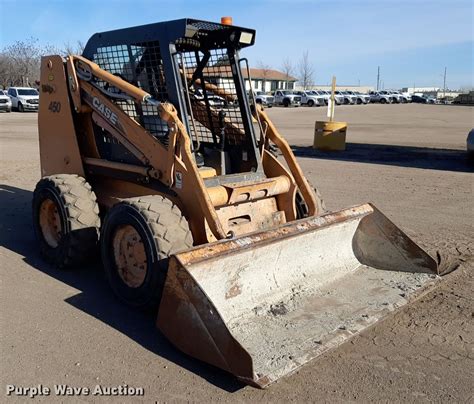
column 196, row 67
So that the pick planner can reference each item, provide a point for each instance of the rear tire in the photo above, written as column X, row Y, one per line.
column 65, row 219
column 302, row 208
column 137, row 238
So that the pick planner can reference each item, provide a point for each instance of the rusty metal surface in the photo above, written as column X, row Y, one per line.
column 262, row 305
column 244, row 191
column 248, row 217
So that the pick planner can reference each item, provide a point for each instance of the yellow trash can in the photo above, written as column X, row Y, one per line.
column 330, row 136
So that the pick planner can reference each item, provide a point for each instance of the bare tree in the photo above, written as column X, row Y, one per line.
column 76, row 49
column 306, row 71
column 266, row 69
column 466, row 88
column 288, row 69
column 6, row 69
column 20, row 62
column 23, row 62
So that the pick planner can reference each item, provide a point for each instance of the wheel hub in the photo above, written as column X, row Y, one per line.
column 50, row 223
column 130, row 256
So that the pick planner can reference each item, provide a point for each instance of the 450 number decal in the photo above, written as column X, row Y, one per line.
column 54, row 106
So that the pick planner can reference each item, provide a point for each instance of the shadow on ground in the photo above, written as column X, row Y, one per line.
column 96, row 298
column 402, row 156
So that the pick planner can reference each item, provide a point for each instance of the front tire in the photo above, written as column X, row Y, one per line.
column 137, row 238
column 383, row 101
column 310, row 103
column 20, row 107
column 65, row 219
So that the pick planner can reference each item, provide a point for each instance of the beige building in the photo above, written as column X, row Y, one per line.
column 266, row 80
column 435, row 92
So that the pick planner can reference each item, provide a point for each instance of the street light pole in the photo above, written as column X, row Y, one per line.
column 378, row 77
column 444, row 85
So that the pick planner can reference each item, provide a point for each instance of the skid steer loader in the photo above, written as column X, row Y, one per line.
column 151, row 148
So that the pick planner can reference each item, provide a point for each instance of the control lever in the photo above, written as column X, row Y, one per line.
column 222, row 116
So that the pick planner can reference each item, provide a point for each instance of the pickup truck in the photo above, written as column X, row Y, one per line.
column 348, row 98
column 360, row 98
column 404, row 97
column 24, row 98
column 378, row 96
column 396, row 98
column 338, row 100
column 310, row 99
column 5, row 102
column 214, row 100
column 262, row 98
column 286, row 98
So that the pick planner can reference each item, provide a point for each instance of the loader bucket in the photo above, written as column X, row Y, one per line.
column 264, row 304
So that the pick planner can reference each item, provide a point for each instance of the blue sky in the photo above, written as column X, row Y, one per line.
column 411, row 40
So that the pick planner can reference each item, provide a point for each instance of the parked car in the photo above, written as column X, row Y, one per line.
column 418, row 99
column 5, row 102
column 310, row 99
column 262, row 98
column 401, row 98
column 406, row 97
column 423, row 99
column 348, row 98
column 24, row 98
column 377, row 96
column 287, row 98
column 360, row 98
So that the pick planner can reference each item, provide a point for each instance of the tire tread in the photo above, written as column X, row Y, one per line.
column 82, row 212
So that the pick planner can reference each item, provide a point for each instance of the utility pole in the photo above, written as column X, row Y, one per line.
column 378, row 77
column 444, row 85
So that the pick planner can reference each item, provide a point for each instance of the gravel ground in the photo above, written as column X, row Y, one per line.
column 409, row 160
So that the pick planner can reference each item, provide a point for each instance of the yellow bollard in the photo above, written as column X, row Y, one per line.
column 330, row 136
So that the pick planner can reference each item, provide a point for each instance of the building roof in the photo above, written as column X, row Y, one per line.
column 269, row 74
column 259, row 74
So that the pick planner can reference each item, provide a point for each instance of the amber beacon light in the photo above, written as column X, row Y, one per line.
column 226, row 20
